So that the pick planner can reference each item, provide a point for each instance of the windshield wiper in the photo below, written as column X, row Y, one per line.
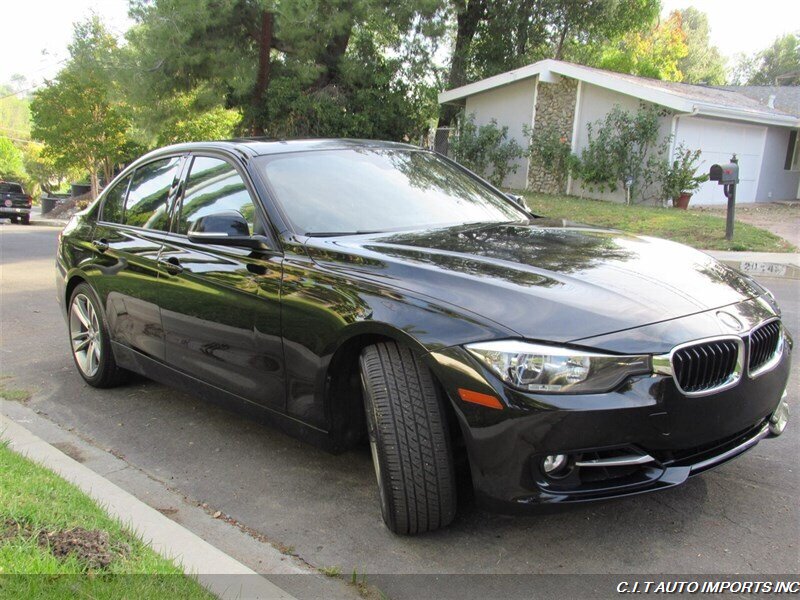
column 337, row 233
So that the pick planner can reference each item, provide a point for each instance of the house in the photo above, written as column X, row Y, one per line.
column 762, row 131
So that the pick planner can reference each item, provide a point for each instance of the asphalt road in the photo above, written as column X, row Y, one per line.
column 740, row 518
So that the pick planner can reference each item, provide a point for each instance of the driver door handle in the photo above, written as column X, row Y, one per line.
column 171, row 265
column 100, row 245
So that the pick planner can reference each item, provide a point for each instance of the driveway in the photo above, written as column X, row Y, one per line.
column 740, row 518
column 781, row 218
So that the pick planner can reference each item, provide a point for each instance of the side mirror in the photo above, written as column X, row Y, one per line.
column 225, row 228
column 518, row 200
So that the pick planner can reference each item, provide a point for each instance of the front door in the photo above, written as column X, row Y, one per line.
column 221, row 305
column 128, row 239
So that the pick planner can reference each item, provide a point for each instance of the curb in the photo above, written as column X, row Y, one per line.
column 49, row 222
column 765, row 269
column 761, row 264
column 212, row 567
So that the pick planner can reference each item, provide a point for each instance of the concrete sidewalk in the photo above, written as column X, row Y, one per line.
column 166, row 521
column 212, row 567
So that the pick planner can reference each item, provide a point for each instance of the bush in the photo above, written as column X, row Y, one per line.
column 625, row 146
column 486, row 150
column 550, row 148
column 680, row 176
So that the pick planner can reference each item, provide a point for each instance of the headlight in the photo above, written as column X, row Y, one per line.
column 540, row 368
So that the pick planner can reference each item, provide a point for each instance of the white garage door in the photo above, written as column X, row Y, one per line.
column 717, row 140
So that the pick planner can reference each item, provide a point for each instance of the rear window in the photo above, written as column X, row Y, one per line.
column 11, row 188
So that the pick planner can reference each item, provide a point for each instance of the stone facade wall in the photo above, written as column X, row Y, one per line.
column 555, row 106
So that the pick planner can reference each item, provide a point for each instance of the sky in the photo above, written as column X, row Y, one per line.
column 36, row 32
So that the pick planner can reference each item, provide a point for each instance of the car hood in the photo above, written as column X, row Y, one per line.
column 545, row 280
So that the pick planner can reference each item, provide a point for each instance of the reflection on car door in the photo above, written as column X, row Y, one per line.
column 128, row 238
column 221, row 305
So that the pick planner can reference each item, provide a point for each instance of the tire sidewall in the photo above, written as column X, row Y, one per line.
column 106, row 357
column 382, row 472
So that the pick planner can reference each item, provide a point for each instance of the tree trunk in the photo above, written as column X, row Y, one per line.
column 469, row 16
column 108, row 170
column 561, row 38
column 330, row 59
column 262, row 78
column 93, row 180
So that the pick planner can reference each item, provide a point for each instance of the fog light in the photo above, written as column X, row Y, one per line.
column 779, row 419
column 554, row 464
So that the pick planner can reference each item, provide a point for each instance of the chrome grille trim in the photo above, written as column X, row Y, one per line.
column 765, row 347
column 709, row 353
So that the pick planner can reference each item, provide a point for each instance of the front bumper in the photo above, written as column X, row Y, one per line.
column 13, row 211
column 647, row 416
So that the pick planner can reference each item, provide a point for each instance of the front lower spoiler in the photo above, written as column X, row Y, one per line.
column 657, row 476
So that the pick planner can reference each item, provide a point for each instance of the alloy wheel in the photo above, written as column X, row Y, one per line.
column 84, row 327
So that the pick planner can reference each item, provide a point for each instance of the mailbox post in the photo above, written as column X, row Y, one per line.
column 727, row 176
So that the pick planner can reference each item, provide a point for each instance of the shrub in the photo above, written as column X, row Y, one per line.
column 624, row 146
column 680, row 176
column 485, row 149
column 550, row 148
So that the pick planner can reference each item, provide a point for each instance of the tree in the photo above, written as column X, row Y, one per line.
column 703, row 62
column 236, row 50
column 655, row 53
column 15, row 114
column 41, row 169
column 186, row 123
column 11, row 166
column 778, row 64
column 493, row 36
column 78, row 116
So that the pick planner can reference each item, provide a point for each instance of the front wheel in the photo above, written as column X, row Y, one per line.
column 89, row 340
column 409, row 438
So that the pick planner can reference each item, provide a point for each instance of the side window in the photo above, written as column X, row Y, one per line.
column 213, row 185
column 114, row 203
column 148, row 197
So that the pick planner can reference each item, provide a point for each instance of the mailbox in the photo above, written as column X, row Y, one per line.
column 724, row 174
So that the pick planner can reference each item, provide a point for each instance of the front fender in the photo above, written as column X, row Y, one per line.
column 323, row 312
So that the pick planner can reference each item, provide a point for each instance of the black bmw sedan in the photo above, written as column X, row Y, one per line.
column 351, row 291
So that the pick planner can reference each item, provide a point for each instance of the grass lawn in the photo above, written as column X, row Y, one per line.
column 696, row 229
column 55, row 542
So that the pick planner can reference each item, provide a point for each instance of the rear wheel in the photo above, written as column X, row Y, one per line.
column 13, row 219
column 91, row 346
column 409, row 440
column 26, row 219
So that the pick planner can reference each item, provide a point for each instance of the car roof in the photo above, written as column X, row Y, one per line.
column 262, row 146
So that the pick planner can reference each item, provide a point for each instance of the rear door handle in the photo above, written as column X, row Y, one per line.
column 101, row 245
column 171, row 265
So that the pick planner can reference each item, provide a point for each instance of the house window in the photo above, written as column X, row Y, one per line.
column 793, row 153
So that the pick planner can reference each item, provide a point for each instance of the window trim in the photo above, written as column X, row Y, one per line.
column 101, row 212
column 792, row 162
column 268, row 226
column 131, row 171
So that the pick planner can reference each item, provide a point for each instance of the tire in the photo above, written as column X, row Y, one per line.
column 409, row 439
column 89, row 340
column 25, row 219
column 13, row 220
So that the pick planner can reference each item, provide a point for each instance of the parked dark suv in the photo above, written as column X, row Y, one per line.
column 15, row 204
column 351, row 291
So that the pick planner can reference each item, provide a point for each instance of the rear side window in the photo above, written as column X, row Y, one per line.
column 147, row 204
column 11, row 188
column 213, row 185
column 114, row 203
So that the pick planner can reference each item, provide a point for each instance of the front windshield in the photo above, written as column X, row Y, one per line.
column 332, row 192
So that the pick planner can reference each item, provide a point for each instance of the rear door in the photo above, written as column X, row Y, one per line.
column 128, row 238
column 221, row 305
